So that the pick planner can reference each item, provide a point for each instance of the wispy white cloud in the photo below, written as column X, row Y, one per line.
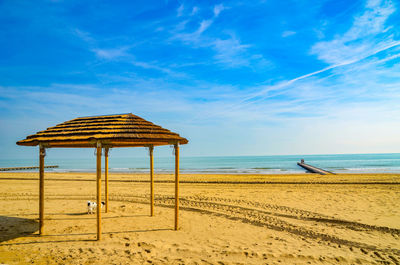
column 228, row 51
column 179, row 11
column 102, row 53
column 110, row 54
column 288, row 33
column 83, row 35
column 204, row 24
column 180, row 26
column 367, row 33
column 122, row 54
column 372, row 21
column 51, row 100
column 218, row 9
column 157, row 67
column 195, row 9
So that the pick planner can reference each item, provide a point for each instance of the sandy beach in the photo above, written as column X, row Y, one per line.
column 224, row 219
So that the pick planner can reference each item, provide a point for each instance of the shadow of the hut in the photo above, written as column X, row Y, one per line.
column 140, row 231
column 77, row 214
column 79, row 234
column 85, row 216
column 14, row 227
column 46, row 242
column 116, row 232
column 110, row 232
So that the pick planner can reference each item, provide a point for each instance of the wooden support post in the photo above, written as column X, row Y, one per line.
column 176, row 186
column 106, row 176
column 42, row 153
column 151, row 148
column 98, row 182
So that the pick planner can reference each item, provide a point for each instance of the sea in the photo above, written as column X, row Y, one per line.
column 282, row 164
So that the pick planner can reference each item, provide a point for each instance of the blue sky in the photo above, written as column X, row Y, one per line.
column 235, row 77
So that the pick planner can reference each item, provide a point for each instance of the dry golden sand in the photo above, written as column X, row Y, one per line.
column 232, row 219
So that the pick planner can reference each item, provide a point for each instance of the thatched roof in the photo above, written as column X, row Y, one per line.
column 120, row 130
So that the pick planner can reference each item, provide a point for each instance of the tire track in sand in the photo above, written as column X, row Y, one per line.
column 255, row 213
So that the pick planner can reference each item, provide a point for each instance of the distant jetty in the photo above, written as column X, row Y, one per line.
column 313, row 169
column 23, row 168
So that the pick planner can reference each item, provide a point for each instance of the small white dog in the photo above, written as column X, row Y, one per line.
column 92, row 206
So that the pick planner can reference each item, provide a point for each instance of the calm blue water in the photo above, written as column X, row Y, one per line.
column 356, row 163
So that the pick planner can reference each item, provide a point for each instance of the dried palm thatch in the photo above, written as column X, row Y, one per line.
column 120, row 130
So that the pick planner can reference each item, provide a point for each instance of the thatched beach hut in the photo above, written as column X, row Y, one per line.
column 102, row 133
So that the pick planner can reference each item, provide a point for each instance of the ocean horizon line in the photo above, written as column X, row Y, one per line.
column 338, row 163
column 206, row 156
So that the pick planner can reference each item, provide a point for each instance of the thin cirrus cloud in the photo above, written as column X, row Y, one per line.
column 179, row 11
column 123, row 54
column 218, row 9
column 182, row 11
column 194, row 36
column 229, row 51
column 195, row 9
column 111, row 53
column 288, row 33
column 367, row 33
